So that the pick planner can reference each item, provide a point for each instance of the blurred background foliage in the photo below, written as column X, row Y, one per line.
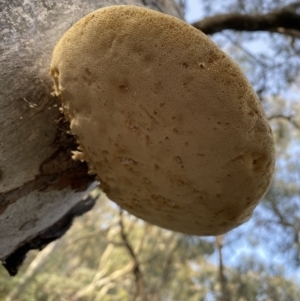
column 110, row 255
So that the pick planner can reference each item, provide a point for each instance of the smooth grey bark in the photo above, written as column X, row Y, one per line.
column 39, row 183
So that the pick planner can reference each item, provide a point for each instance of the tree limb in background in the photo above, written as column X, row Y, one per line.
column 288, row 118
column 285, row 21
column 168, row 261
column 100, row 279
column 140, row 288
column 225, row 296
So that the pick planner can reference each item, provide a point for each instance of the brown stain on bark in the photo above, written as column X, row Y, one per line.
column 57, row 172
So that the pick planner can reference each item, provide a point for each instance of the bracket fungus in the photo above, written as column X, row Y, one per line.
column 167, row 121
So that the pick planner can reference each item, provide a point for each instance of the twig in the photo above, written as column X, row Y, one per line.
column 282, row 219
column 168, row 263
column 263, row 66
column 102, row 281
column 225, row 293
column 140, row 288
column 288, row 118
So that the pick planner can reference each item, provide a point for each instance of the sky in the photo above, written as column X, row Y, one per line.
column 194, row 12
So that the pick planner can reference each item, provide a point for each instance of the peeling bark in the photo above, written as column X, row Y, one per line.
column 55, row 231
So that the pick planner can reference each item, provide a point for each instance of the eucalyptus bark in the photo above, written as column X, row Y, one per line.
column 41, row 187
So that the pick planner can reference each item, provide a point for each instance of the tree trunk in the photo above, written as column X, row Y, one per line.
column 41, row 188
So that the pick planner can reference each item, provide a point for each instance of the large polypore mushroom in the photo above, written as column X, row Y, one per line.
column 167, row 120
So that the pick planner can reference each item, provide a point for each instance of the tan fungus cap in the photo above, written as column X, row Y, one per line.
column 167, row 120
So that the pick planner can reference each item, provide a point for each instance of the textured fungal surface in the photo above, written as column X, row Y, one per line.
column 168, row 121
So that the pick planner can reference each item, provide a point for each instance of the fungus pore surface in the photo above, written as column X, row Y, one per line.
column 167, row 121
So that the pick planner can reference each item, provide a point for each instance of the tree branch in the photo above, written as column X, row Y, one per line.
column 225, row 296
column 102, row 281
column 167, row 264
column 285, row 21
column 288, row 118
column 140, row 288
column 280, row 216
